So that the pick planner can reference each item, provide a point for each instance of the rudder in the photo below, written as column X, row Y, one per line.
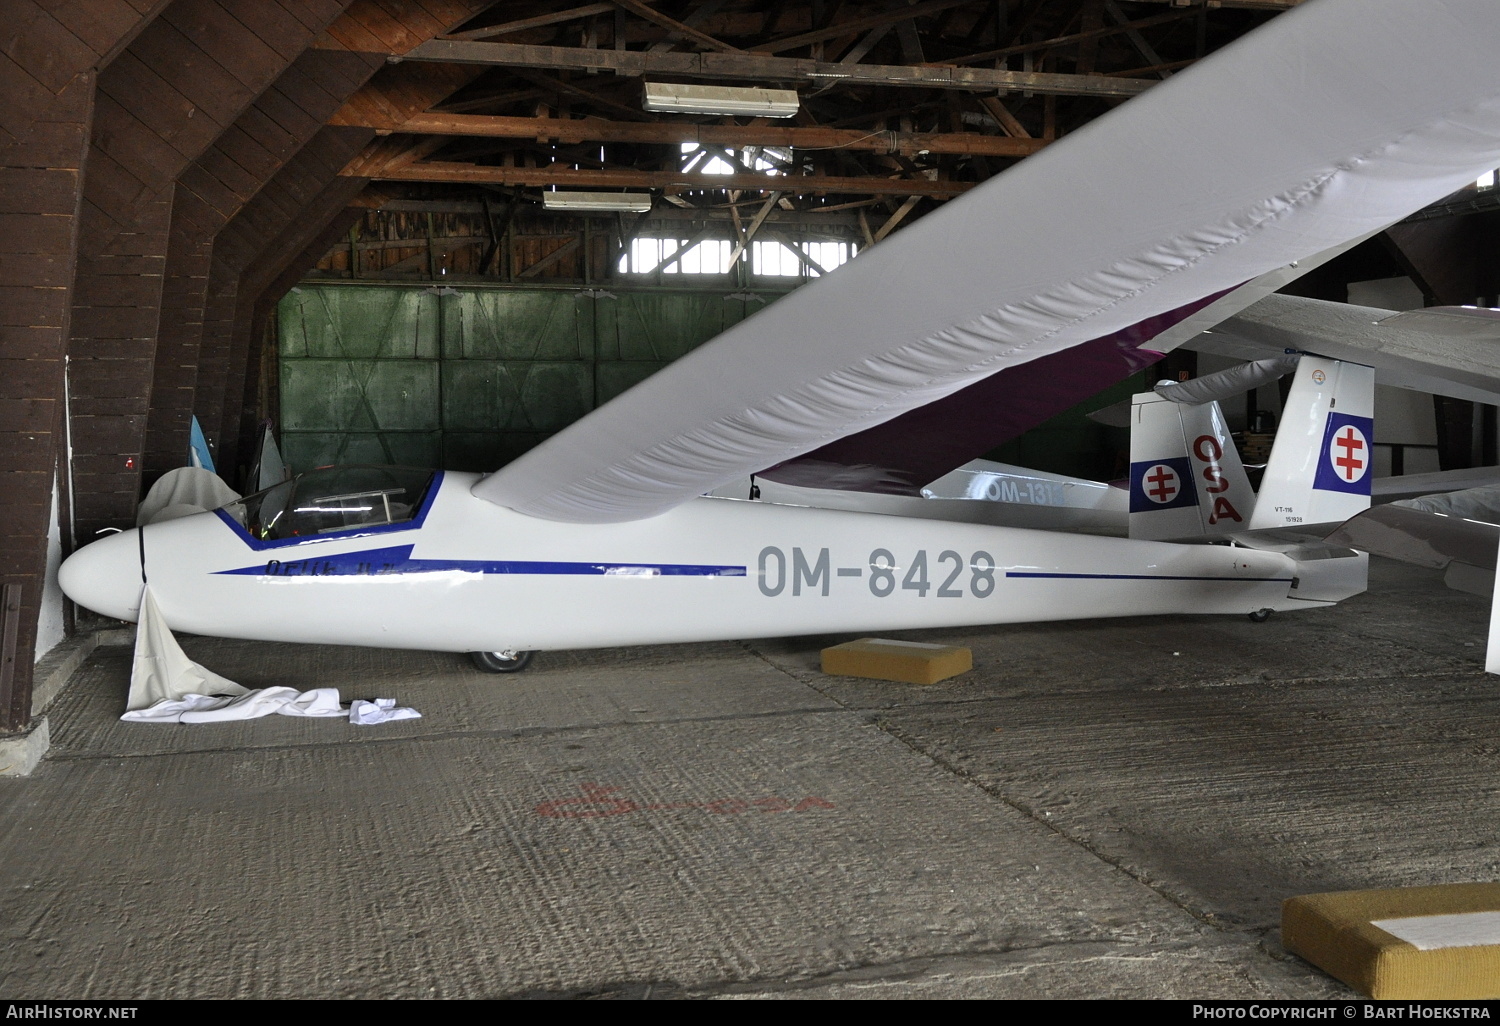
column 1321, row 466
column 1186, row 479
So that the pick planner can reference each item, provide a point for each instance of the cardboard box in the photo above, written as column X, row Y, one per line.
column 1410, row 942
column 907, row 662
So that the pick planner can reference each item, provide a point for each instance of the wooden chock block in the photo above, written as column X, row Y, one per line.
column 909, row 662
column 1410, row 942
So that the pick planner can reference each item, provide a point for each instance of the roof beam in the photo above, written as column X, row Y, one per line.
column 896, row 218
column 854, row 25
column 700, row 14
column 540, row 21
column 836, row 219
column 1076, row 37
column 547, row 261
column 1137, row 40
column 676, row 27
column 749, row 236
column 719, row 66
column 675, row 181
column 582, row 130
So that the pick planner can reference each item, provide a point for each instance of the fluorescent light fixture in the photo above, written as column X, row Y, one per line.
column 671, row 98
column 633, row 202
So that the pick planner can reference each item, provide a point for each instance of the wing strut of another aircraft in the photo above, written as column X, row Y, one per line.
column 1331, row 122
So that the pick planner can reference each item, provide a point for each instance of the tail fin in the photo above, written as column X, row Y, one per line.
column 1321, row 466
column 1186, row 480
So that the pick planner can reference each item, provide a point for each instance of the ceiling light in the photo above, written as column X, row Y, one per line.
column 633, row 202
column 671, row 98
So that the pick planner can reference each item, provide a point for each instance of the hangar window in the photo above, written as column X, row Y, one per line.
column 778, row 259
column 711, row 256
column 332, row 499
column 674, row 256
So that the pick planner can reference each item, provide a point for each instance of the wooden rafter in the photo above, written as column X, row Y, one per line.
column 896, row 218
column 676, row 181
column 547, row 261
column 1076, row 37
column 1146, row 50
column 539, row 21
column 582, row 130
column 756, row 67
column 552, row 82
column 640, row 10
column 1002, row 115
column 749, row 235
column 700, row 14
column 796, row 251
column 884, row 19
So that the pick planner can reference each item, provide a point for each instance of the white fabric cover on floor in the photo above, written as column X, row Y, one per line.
column 1333, row 120
column 185, row 486
column 249, row 705
column 382, row 710
column 162, row 671
column 168, row 687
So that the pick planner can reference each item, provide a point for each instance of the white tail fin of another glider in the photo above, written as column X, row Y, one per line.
column 1186, row 480
column 1321, row 467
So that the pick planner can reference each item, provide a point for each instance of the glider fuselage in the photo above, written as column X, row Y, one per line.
column 463, row 574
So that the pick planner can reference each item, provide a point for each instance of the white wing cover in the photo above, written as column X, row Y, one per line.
column 1333, row 121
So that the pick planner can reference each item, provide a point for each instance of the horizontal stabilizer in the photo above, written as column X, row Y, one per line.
column 1420, row 537
column 1457, row 531
column 1452, row 351
column 1412, row 486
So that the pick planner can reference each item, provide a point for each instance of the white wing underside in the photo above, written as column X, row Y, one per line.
column 1444, row 350
column 1329, row 123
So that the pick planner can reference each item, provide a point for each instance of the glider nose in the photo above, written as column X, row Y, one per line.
column 106, row 576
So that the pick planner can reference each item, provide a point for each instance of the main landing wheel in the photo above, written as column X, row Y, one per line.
column 504, row 661
column 1259, row 616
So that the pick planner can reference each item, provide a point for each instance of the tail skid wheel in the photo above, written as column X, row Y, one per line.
column 505, row 661
column 1261, row 615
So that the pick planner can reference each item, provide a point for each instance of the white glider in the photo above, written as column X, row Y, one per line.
column 1154, row 222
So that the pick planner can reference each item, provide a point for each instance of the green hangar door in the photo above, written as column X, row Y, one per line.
column 467, row 378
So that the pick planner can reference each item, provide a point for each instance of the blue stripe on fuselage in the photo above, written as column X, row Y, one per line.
column 1147, row 577
column 398, row 560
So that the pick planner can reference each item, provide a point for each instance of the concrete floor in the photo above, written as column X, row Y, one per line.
column 1099, row 809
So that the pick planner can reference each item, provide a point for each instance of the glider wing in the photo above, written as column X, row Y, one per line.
column 1334, row 120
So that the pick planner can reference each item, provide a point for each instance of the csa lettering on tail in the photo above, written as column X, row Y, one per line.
column 1208, row 451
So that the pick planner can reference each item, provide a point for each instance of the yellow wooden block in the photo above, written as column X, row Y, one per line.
column 910, row 662
column 1410, row 942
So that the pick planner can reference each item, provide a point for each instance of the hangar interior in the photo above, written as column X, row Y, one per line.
column 340, row 218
